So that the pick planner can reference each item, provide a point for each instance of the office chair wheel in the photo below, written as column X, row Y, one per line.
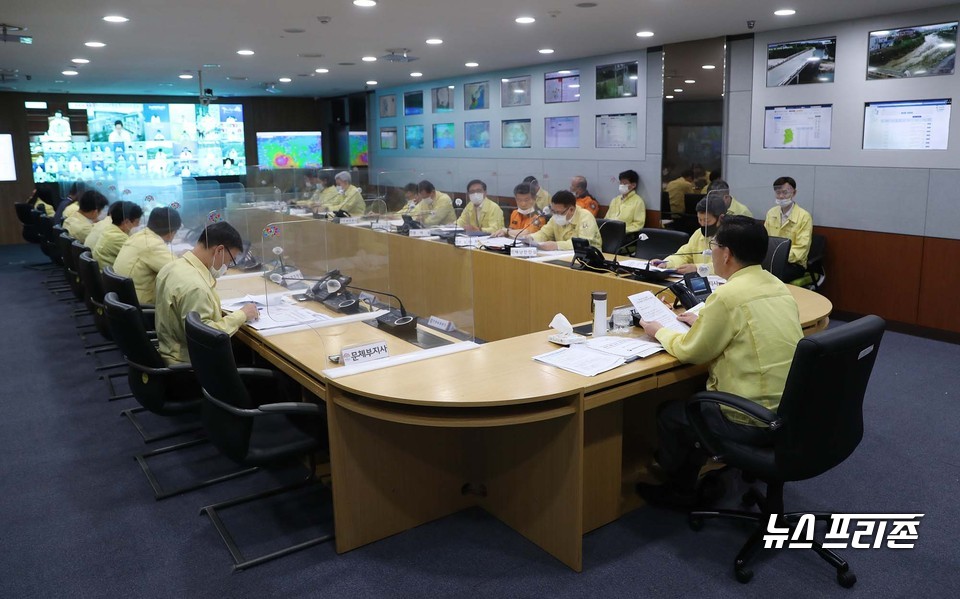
column 744, row 575
column 695, row 522
column 846, row 579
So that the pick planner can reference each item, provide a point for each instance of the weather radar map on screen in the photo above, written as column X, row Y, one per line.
column 359, row 149
column 289, row 149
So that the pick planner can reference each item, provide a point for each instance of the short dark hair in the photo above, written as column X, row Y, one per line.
column 785, row 181
column 522, row 189
column 427, row 187
column 716, row 207
column 630, row 175
column 474, row 182
column 115, row 123
column 221, row 233
column 46, row 194
column 92, row 200
column 719, row 185
column 74, row 189
column 410, row 187
column 121, row 211
column 687, row 173
column 714, row 175
column 531, row 180
column 744, row 237
column 564, row 198
column 164, row 221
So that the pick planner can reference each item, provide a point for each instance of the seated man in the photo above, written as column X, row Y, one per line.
column 124, row 216
column 69, row 202
column 746, row 333
column 43, row 200
column 734, row 208
column 434, row 208
column 540, row 195
column 80, row 223
column 568, row 221
column 347, row 197
column 788, row 220
column 103, row 221
column 411, row 198
column 578, row 187
column 628, row 206
column 525, row 219
column 691, row 254
column 187, row 285
column 482, row 213
column 319, row 188
column 146, row 252
column 678, row 188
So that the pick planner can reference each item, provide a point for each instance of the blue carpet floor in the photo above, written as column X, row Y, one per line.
column 78, row 519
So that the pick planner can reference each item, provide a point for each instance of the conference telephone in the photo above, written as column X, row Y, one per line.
column 329, row 285
column 692, row 290
column 586, row 256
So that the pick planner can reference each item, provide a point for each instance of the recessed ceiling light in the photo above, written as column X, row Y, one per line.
column 627, row 94
column 785, row 12
column 236, row 78
column 565, row 72
column 369, row 59
column 451, row 87
column 708, row 67
column 471, row 64
column 371, row 82
column 284, row 80
column 115, row 19
column 505, row 80
column 94, row 44
column 689, row 80
column 545, row 50
column 434, row 41
column 668, row 97
column 186, row 75
column 245, row 52
column 416, row 74
column 634, row 77
column 519, row 91
column 321, row 71
column 365, row 3
column 70, row 72
column 678, row 90
column 525, row 20
column 644, row 34
column 574, row 86
column 79, row 60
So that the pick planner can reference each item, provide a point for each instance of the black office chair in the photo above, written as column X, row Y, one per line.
column 127, row 293
column 815, row 259
column 29, row 218
column 659, row 243
column 89, row 272
column 778, row 252
column 247, row 431
column 507, row 213
column 818, row 425
column 613, row 234
column 665, row 211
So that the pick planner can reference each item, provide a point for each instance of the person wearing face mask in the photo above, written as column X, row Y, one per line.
column 188, row 285
column 347, row 198
column 103, row 222
column 719, row 186
column 411, row 197
column 746, row 334
column 710, row 211
column 792, row 222
column 568, row 221
column 540, row 195
column 146, row 252
column 482, row 214
column 124, row 216
column 80, row 223
column 628, row 206
column 578, row 187
column 526, row 218
column 434, row 208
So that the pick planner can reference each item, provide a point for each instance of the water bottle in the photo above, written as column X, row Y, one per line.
column 599, row 313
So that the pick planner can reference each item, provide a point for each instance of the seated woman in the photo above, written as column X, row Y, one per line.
column 526, row 218
column 691, row 254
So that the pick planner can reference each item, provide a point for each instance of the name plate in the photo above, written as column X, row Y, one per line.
column 523, row 252
column 293, row 275
column 380, row 226
column 440, row 323
column 419, row 232
column 348, row 220
column 366, row 352
column 463, row 241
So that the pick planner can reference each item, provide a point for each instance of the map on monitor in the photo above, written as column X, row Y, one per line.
column 906, row 125
column 289, row 149
column 804, row 127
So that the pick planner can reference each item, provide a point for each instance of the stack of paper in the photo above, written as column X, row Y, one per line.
column 625, row 347
column 581, row 360
column 640, row 265
column 650, row 308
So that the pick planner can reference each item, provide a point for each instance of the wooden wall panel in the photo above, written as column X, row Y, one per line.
column 940, row 284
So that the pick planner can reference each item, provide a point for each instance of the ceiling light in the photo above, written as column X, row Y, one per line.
column 525, row 20
column 94, row 44
column 574, row 86
column 451, row 87
column 284, row 80
column 245, row 52
column 708, row 67
column 545, row 51
column 434, row 41
column 644, row 34
column 186, row 75
column 785, row 12
column 678, row 90
column 471, row 64
column 371, row 82
column 79, row 61
column 321, row 71
column 115, row 19
column 564, row 72
column 628, row 94
column 689, row 80
column 668, row 97
column 416, row 74
column 365, row 3
column 369, row 59
column 70, row 72
column 519, row 91
column 633, row 77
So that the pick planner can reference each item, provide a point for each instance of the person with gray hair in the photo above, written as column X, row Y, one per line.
column 348, row 198
column 721, row 188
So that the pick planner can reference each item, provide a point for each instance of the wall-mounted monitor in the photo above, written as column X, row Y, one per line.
column 906, row 125
column 8, row 168
column 515, row 91
column 617, row 130
column 359, row 149
column 617, row 80
column 920, row 51
column 443, row 98
column 561, row 132
column 444, row 136
column 561, row 86
column 388, row 138
column 413, row 103
column 289, row 149
column 798, row 127
column 804, row 61
column 515, row 133
column 413, row 137
column 476, row 134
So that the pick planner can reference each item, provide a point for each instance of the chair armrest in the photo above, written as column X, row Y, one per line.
column 175, row 368
column 256, row 374
column 745, row 406
column 148, row 307
column 292, row 407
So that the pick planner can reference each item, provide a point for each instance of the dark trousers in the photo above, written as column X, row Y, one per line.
column 679, row 456
column 793, row 272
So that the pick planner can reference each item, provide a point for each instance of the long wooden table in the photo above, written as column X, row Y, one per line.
column 550, row 453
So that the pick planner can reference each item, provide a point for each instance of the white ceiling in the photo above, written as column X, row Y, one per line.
column 166, row 37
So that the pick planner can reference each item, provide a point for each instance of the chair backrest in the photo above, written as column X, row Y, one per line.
column 613, row 233
column 818, row 249
column 775, row 262
column 89, row 272
column 29, row 218
column 211, row 355
column 822, row 403
column 123, row 286
column 690, row 201
column 659, row 243
column 664, row 204
column 507, row 213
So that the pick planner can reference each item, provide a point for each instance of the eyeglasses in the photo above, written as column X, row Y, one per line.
column 713, row 244
column 233, row 261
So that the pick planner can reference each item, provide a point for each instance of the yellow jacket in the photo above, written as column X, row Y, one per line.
column 47, row 208
column 747, row 333
column 737, row 208
column 543, row 199
column 141, row 258
column 677, row 189
column 78, row 226
column 71, row 208
column 491, row 216
column 697, row 243
column 321, row 197
column 111, row 240
column 351, row 202
column 798, row 228
column 630, row 209
column 581, row 225
column 440, row 212
column 93, row 237
column 183, row 286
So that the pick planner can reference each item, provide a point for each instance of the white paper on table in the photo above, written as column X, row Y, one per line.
column 640, row 264
column 245, row 275
column 715, row 281
column 276, row 317
column 581, row 360
column 650, row 308
column 696, row 309
column 500, row 242
column 260, row 301
column 326, row 321
column 625, row 347
column 547, row 255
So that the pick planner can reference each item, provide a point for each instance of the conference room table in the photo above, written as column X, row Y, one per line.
column 550, row 453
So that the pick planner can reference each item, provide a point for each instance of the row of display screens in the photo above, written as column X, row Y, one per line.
column 612, row 131
column 303, row 149
column 899, row 125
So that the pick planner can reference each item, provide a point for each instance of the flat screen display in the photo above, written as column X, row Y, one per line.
column 476, row 134
column 413, row 137
column 8, row 169
column 798, row 127
column 804, row 61
column 359, row 149
column 561, row 132
column 289, row 149
column 388, row 138
column 617, row 80
column 444, row 136
column 561, row 86
column 921, row 51
column 515, row 133
column 617, row 130
column 906, row 125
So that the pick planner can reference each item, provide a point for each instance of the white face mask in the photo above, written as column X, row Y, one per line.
column 216, row 273
column 428, row 200
column 624, row 189
column 137, row 229
column 560, row 219
column 525, row 211
column 784, row 203
column 341, row 190
column 476, row 198
column 411, row 203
